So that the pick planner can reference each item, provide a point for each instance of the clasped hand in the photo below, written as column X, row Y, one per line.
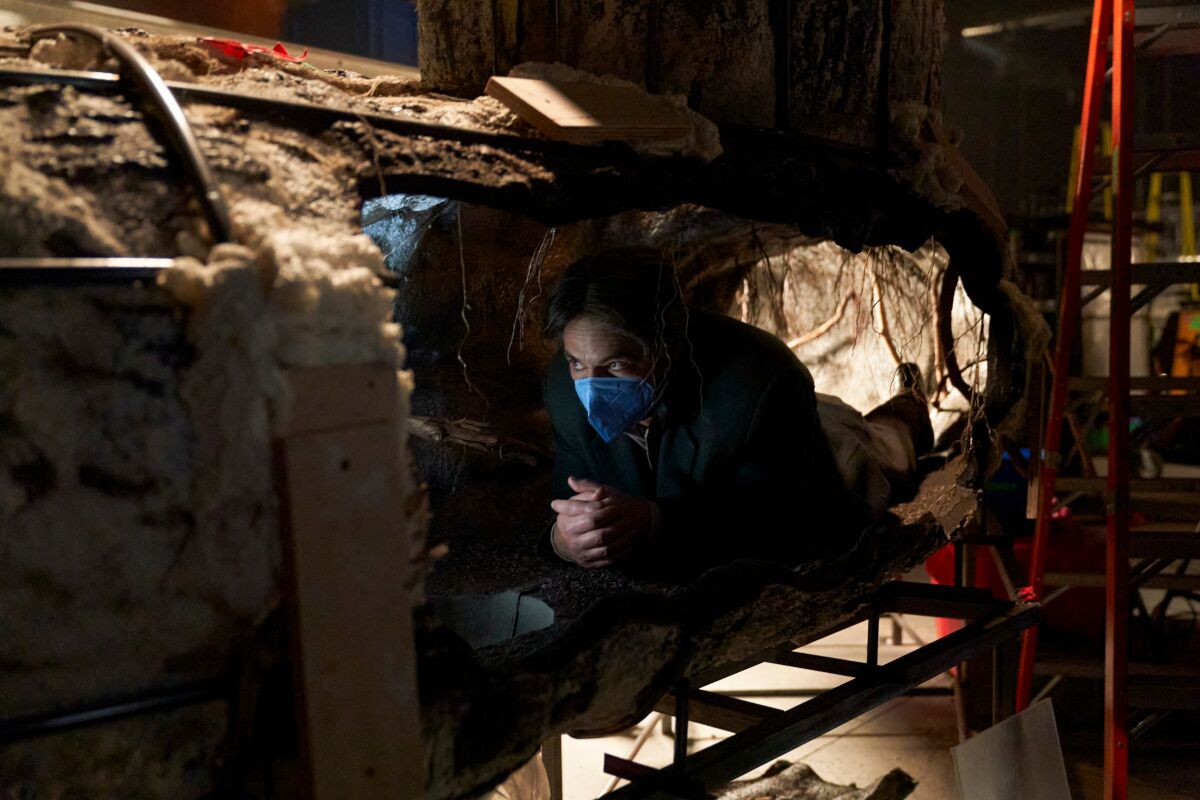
column 599, row 525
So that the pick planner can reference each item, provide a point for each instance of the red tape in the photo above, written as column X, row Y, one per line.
column 239, row 50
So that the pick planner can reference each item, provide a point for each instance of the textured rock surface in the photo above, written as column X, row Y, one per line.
column 847, row 59
column 785, row 781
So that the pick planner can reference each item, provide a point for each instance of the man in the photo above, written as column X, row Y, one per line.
column 685, row 439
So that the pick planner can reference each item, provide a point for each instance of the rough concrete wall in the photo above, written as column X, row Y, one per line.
column 720, row 54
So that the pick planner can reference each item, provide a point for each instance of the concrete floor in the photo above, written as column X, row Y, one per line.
column 912, row 733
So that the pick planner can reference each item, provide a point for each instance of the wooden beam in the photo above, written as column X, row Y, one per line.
column 346, row 563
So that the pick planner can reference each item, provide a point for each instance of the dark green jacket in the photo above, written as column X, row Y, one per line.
column 741, row 466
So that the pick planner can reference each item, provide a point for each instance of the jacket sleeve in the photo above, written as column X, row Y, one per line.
column 783, row 499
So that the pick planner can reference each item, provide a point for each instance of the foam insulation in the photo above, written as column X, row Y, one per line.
column 925, row 167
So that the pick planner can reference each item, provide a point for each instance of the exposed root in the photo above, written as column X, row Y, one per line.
column 535, row 271
column 881, row 312
column 826, row 326
column 462, row 263
column 370, row 131
column 477, row 436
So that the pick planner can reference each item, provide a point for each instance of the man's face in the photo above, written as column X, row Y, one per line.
column 596, row 350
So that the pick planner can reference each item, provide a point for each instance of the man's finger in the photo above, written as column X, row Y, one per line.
column 575, row 507
column 594, row 496
column 574, row 524
column 611, row 538
column 583, row 484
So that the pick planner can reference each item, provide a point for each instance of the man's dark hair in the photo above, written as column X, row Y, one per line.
column 632, row 290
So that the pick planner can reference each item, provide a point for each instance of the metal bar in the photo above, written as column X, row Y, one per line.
column 1002, row 568
column 1153, row 569
column 1045, row 691
column 916, row 691
column 1149, row 39
column 644, row 779
column 297, row 109
column 1116, row 593
column 742, row 752
column 166, row 111
column 1182, row 486
column 718, row 710
column 833, row 666
column 638, row 744
column 681, row 727
column 29, row 727
column 77, row 270
column 1148, row 722
column 1154, row 383
column 1068, row 310
column 1095, row 580
column 552, row 760
column 1147, row 273
column 1146, row 295
column 1092, row 295
column 873, row 637
column 928, row 600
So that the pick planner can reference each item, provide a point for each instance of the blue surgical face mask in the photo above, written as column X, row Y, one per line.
column 614, row 404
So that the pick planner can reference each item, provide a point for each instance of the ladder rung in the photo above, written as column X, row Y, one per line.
column 1080, row 667
column 1136, row 486
column 1097, row 580
column 1164, row 405
column 1152, row 383
column 1144, row 274
column 1163, row 544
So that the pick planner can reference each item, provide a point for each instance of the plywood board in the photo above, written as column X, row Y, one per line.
column 347, row 559
column 587, row 112
column 1020, row 757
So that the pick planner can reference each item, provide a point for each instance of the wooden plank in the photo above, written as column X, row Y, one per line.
column 347, row 562
column 336, row 397
column 587, row 112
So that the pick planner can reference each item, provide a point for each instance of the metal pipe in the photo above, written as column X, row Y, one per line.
column 682, row 689
column 21, row 728
column 108, row 82
column 162, row 105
